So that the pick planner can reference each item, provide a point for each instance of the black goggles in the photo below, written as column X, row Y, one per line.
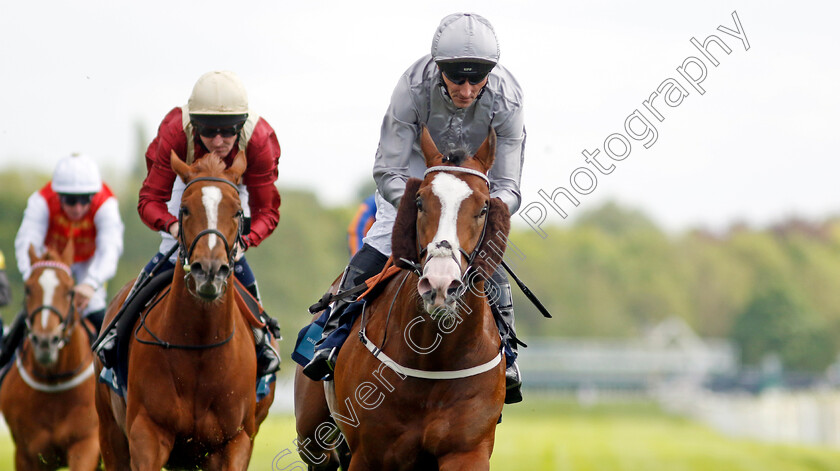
column 461, row 72
column 208, row 131
column 72, row 200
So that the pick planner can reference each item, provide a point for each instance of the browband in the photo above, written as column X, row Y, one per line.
column 51, row 264
column 443, row 168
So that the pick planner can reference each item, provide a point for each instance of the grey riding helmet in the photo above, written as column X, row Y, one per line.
column 465, row 47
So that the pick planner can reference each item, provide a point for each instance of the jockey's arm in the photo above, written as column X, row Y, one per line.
column 109, row 244
column 157, row 187
column 510, row 153
column 263, row 153
column 400, row 129
column 33, row 230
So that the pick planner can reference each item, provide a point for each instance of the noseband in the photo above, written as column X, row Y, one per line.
column 186, row 251
column 421, row 251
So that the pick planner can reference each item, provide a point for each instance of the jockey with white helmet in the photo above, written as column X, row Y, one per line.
column 458, row 91
column 74, row 207
column 216, row 120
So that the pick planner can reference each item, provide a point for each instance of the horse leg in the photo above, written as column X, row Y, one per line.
column 234, row 457
column 112, row 442
column 24, row 462
column 84, row 455
column 474, row 460
column 148, row 443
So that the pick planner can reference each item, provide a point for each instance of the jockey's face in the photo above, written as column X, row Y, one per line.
column 75, row 212
column 465, row 94
column 219, row 145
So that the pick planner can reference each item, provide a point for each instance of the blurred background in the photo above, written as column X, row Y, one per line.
column 693, row 289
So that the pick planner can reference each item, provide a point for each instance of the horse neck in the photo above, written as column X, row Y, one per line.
column 196, row 321
column 466, row 344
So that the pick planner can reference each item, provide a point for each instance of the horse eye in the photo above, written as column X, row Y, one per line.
column 55, row 339
column 419, row 203
column 483, row 211
column 185, row 211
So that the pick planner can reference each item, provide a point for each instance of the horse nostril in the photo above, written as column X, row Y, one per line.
column 454, row 288
column 424, row 286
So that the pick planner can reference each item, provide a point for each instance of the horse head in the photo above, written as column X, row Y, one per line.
column 210, row 221
column 448, row 228
column 48, row 301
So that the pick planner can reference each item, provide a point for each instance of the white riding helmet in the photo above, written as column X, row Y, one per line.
column 465, row 37
column 218, row 99
column 76, row 174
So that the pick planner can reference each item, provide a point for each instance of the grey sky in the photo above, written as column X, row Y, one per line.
column 761, row 143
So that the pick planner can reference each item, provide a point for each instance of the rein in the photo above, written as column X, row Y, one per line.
column 158, row 342
column 380, row 355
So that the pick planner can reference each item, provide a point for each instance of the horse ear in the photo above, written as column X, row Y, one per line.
column 179, row 166
column 404, row 233
column 430, row 150
column 68, row 253
column 237, row 168
column 486, row 153
column 493, row 246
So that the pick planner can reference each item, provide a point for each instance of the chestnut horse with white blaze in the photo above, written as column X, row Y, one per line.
column 191, row 401
column 47, row 395
column 420, row 383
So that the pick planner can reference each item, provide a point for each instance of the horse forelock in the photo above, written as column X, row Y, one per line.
column 211, row 165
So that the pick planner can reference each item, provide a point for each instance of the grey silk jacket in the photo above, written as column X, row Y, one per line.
column 419, row 98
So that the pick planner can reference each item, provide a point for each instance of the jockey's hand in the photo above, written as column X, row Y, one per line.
column 239, row 252
column 83, row 293
column 173, row 229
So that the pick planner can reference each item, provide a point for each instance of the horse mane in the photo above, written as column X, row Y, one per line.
column 404, row 232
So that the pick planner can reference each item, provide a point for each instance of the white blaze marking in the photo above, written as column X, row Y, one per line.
column 49, row 282
column 452, row 192
column 211, row 196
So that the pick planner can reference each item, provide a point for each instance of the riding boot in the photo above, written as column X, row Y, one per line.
column 107, row 350
column 365, row 263
column 502, row 307
column 268, row 360
column 12, row 339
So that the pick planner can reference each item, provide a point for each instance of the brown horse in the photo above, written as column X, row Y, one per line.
column 190, row 402
column 425, row 386
column 47, row 396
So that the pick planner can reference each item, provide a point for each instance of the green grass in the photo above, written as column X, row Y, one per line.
column 551, row 434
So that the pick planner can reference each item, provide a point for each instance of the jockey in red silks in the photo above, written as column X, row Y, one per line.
column 216, row 120
column 74, row 207
column 458, row 92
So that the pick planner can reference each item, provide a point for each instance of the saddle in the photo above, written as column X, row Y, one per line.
column 310, row 334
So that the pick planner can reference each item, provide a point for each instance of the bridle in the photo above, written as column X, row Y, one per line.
column 185, row 254
column 421, row 251
column 77, row 375
column 64, row 320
